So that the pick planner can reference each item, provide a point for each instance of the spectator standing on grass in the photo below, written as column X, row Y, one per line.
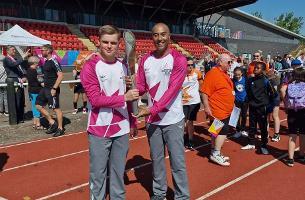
column 49, row 94
column 109, row 121
column 218, row 99
column 34, row 88
column 3, row 90
column 161, row 74
column 293, row 94
column 15, row 69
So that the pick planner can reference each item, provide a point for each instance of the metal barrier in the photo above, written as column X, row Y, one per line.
column 11, row 84
column 25, row 84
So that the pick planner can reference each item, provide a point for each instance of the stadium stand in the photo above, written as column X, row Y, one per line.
column 59, row 34
column 215, row 46
column 144, row 43
column 196, row 48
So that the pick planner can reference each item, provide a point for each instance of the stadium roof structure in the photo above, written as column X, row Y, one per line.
column 151, row 10
column 266, row 23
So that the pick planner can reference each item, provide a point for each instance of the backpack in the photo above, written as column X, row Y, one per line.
column 295, row 97
column 271, row 94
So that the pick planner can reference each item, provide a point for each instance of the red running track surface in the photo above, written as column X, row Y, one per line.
column 58, row 168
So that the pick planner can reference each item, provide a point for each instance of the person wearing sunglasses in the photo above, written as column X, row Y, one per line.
column 218, row 99
column 191, row 101
column 257, row 57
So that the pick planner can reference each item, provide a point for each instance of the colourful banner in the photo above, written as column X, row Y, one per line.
column 64, row 57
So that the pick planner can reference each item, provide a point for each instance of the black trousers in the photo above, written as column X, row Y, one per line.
column 258, row 115
column 20, row 103
column 241, row 125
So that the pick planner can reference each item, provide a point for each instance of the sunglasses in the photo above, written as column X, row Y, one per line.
column 255, row 56
column 190, row 65
column 230, row 62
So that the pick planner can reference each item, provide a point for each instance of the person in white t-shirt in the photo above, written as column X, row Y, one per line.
column 191, row 101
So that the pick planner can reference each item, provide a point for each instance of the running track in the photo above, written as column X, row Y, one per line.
column 58, row 168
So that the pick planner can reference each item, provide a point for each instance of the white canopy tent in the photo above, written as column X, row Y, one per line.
column 17, row 36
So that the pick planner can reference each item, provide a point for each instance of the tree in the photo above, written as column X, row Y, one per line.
column 257, row 14
column 290, row 22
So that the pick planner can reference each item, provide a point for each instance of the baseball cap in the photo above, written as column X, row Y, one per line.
column 296, row 62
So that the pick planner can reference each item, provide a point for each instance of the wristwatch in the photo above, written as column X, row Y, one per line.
column 54, row 88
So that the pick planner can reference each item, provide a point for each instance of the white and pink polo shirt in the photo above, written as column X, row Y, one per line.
column 162, row 78
column 105, row 87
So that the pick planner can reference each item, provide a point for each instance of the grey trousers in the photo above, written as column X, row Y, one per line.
column 172, row 137
column 107, row 153
column 3, row 100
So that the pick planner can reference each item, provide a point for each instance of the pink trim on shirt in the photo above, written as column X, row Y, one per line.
column 175, row 83
column 91, row 85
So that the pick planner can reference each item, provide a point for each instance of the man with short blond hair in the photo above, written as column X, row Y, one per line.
column 109, row 120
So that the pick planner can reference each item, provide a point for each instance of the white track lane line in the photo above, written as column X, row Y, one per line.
column 78, row 152
column 242, row 177
column 34, row 141
column 68, row 155
column 58, row 157
column 127, row 170
column 53, row 138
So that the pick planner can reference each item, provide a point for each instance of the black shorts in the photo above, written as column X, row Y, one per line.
column 78, row 88
column 226, row 128
column 296, row 121
column 273, row 103
column 44, row 97
column 190, row 111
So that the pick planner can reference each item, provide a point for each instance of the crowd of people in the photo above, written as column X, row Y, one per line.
column 176, row 88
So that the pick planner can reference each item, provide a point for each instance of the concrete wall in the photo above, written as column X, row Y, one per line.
column 255, row 36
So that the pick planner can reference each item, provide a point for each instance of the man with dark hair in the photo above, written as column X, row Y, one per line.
column 259, row 91
column 161, row 74
column 53, row 76
column 285, row 62
column 14, row 69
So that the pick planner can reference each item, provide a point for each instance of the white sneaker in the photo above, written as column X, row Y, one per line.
column 219, row 159
column 237, row 134
column 244, row 134
column 75, row 111
column 260, row 136
column 226, row 158
column 84, row 111
column 248, row 147
column 6, row 114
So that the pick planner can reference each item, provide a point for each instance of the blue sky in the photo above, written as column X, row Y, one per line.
column 271, row 9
